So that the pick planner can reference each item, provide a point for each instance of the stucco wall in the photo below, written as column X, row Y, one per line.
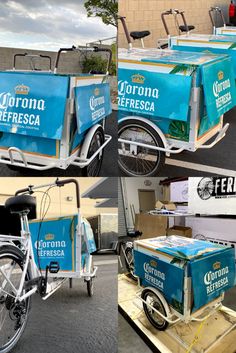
column 146, row 15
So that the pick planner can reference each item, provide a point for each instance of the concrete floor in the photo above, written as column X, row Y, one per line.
column 71, row 322
column 109, row 165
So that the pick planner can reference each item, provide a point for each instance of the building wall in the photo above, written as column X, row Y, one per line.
column 60, row 205
column 146, row 15
column 130, row 188
column 68, row 63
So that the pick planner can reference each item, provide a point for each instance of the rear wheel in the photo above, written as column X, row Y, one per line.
column 90, row 287
column 137, row 160
column 13, row 314
column 154, row 302
column 93, row 169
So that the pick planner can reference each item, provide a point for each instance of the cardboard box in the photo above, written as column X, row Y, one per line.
column 180, row 230
column 150, row 226
column 170, row 206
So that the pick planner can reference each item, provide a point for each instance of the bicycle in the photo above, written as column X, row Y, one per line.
column 20, row 277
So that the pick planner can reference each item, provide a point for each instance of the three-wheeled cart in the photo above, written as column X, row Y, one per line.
column 212, row 43
column 182, row 279
column 47, row 253
column 225, row 29
column 52, row 120
column 170, row 101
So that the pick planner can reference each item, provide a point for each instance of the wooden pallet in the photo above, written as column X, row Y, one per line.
column 179, row 337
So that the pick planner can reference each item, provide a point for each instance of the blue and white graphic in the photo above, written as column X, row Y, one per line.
column 168, row 278
column 212, row 276
column 154, row 94
column 33, row 104
column 219, row 88
column 93, row 104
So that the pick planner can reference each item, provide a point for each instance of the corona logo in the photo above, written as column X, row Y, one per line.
column 96, row 92
column 137, row 78
column 153, row 263
column 49, row 236
column 220, row 75
column 216, row 266
column 22, row 89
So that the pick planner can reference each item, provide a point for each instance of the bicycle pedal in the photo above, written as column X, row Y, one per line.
column 53, row 267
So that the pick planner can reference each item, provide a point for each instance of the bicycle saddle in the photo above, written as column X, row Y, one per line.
column 21, row 203
column 139, row 35
column 183, row 28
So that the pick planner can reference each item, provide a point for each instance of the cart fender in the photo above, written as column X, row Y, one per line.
column 6, row 246
column 161, row 297
column 87, row 140
column 151, row 124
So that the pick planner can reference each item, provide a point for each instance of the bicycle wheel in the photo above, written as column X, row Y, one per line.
column 129, row 260
column 137, row 160
column 13, row 315
column 90, row 287
column 152, row 299
column 93, row 169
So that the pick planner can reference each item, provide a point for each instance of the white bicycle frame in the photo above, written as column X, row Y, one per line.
column 30, row 266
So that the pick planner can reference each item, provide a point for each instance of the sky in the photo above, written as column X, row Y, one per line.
column 48, row 24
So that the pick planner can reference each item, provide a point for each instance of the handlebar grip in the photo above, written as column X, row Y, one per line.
column 69, row 181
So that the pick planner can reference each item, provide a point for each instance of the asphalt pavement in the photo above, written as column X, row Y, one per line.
column 70, row 321
column 109, row 166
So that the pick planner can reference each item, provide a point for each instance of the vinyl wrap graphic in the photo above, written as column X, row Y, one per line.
column 154, row 94
column 55, row 240
column 92, row 104
column 33, row 104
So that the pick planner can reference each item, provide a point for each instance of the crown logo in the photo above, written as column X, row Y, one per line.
column 49, row 236
column 220, row 75
column 22, row 89
column 137, row 78
column 153, row 263
column 97, row 91
column 216, row 265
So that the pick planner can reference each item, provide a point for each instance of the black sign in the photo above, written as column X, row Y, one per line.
column 218, row 187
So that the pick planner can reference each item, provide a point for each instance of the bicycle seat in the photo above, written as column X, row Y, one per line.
column 140, row 34
column 183, row 28
column 21, row 203
column 134, row 233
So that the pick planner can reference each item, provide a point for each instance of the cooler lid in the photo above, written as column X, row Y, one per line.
column 180, row 247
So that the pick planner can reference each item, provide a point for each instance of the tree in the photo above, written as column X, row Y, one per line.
column 107, row 10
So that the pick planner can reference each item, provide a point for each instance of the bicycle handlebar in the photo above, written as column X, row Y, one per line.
column 94, row 49
column 30, row 189
column 173, row 12
column 32, row 56
column 122, row 19
column 216, row 9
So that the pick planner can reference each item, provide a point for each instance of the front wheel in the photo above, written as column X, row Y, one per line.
column 90, row 287
column 98, row 139
column 151, row 300
column 139, row 160
column 13, row 314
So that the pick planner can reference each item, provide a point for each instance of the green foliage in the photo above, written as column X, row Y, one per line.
column 107, row 10
column 97, row 63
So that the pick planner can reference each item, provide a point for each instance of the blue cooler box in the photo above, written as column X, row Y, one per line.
column 164, row 262
column 55, row 240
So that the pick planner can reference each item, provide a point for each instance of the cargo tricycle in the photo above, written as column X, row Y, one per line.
column 52, row 120
column 182, row 279
column 46, row 254
column 170, row 101
column 225, row 29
